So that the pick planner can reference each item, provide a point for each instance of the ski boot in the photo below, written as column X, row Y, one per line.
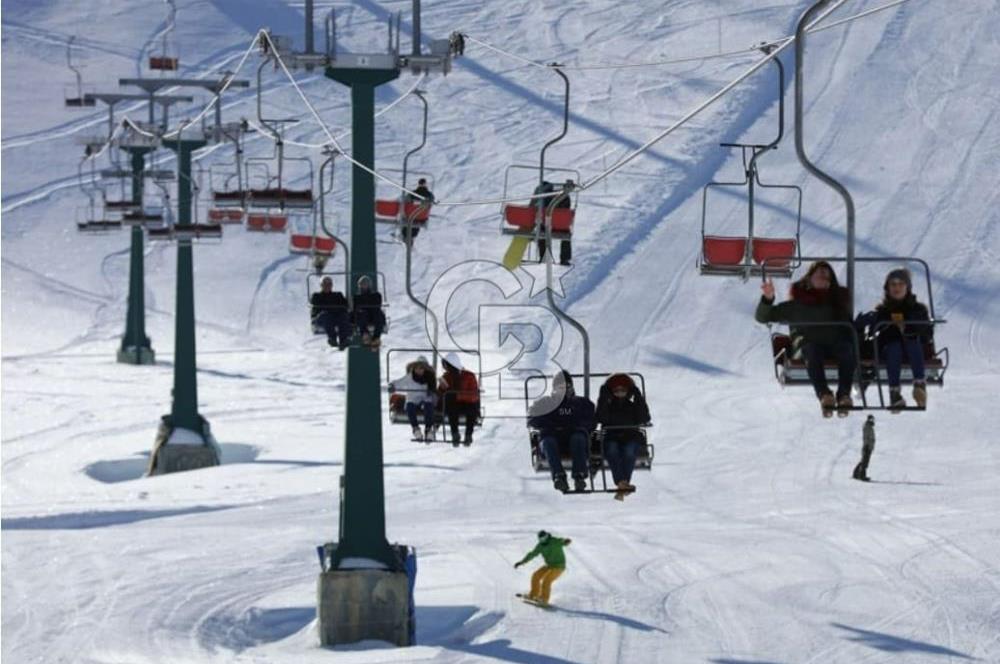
column 896, row 400
column 560, row 483
column 429, row 434
column 844, row 405
column 827, row 403
column 920, row 393
column 861, row 472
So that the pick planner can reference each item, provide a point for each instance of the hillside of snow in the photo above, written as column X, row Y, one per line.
column 747, row 542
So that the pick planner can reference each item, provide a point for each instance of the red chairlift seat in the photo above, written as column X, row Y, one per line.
column 267, row 223
column 778, row 252
column 725, row 255
column 309, row 244
column 720, row 251
column 388, row 210
column 162, row 63
column 521, row 220
column 226, row 215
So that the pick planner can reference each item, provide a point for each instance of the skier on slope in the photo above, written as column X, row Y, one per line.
column 550, row 548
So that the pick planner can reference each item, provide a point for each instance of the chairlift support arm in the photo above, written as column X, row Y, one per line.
column 800, row 151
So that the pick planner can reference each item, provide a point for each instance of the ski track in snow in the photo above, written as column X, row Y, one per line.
column 746, row 543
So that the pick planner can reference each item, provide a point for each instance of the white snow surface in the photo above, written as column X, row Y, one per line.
column 747, row 543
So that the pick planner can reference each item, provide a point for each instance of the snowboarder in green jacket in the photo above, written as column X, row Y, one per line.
column 550, row 548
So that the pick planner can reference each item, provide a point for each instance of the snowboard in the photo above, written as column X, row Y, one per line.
column 533, row 602
column 515, row 252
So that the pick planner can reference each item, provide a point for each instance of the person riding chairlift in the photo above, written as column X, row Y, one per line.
column 418, row 386
column 422, row 196
column 368, row 315
column 459, row 391
column 620, row 406
column 896, row 339
column 565, row 248
column 817, row 298
column 564, row 419
column 329, row 314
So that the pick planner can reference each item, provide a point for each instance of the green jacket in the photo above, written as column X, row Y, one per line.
column 794, row 311
column 551, row 551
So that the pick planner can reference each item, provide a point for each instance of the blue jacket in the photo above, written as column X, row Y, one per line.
column 551, row 416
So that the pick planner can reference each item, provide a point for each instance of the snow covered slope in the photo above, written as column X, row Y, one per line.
column 746, row 543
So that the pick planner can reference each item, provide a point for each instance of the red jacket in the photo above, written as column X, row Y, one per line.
column 463, row 384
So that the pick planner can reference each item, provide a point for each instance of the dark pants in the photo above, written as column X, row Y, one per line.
column 373, row 317
column 336, row 324
column 454, row 409
column 565, row 251
column 408, row 234
column 816, row 355
column 578, row 449
column 621, row 455
column 893, row 355
column 427, row 407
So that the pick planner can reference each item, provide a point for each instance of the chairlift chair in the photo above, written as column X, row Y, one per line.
column 228, row 201
column 597, row 462
column 165, row 60
column 77, row 95
column 88, row 222
column 528, row 220
column 400, row 211
column 310, row 241
column 271, row 190
column 397, row 400
column 314, row 280
column 267, row 222
column 744, row 255
column 790, row 368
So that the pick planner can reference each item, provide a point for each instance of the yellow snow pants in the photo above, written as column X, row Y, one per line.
column 542, row 580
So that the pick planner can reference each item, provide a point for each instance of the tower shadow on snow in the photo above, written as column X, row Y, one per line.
column 896, row 644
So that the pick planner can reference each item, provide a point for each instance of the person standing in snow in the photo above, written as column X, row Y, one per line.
column 621, row 409
column 564, row 419
column 418, row 386
column 459, row 390
column 816, row 299
column 551, row 549
column 901, row 327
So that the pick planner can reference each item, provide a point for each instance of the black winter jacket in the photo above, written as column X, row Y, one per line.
column 552, row 416
column 614, row 412
column 332, row 301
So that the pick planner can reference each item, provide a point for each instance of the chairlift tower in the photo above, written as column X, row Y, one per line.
column 136, row 347
column 363, row 592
